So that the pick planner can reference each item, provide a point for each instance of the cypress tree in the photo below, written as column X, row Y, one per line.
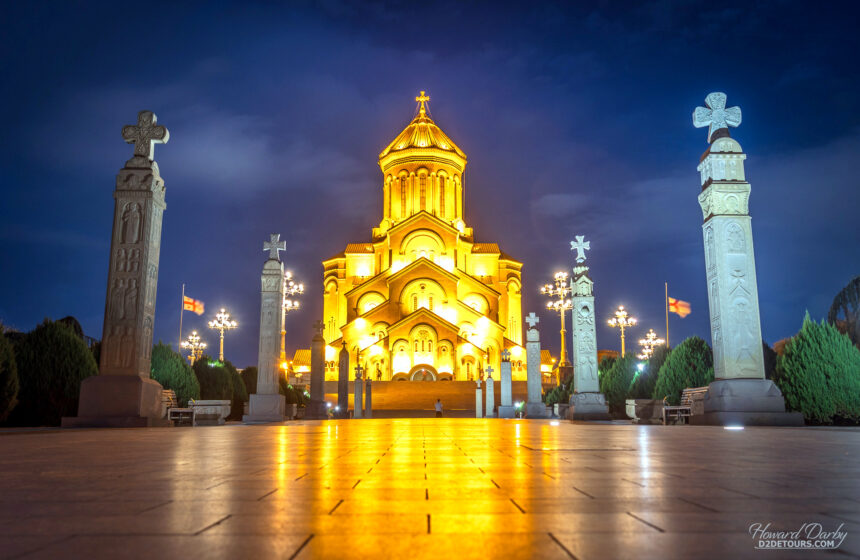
column 819, row 373
column 690, row 364
column 8, row 378
column 173, row 372
column 615, row 383
column 215, row 382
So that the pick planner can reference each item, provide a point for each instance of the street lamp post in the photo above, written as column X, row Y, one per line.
column 221, row 323
column 291, row 288
column 648, row 344
column 559, row 302
column 622, row 320
column 194, row 346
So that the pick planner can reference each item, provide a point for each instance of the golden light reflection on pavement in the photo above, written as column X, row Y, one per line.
column 449, row 487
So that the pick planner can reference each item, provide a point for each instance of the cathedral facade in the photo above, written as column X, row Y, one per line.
column 422, row 300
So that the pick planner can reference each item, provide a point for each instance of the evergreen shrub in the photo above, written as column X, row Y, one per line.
column 690, row 364
column 52, row 361
column 215, row 382
column 615, row 382
column 171, row 369
column 240, row 393
column 8, row 378
column 819, row 374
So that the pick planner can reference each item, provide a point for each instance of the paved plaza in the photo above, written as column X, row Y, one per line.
column 414, row 488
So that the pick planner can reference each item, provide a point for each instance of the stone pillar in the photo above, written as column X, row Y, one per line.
column 535, row 408
column 506, row 407
column 268, row 404
column 123, row 394
column 740, row 393
column 343, row 383
column 357, row 400
column 368, row 401
column 479, row 401
column 586, row 402
column 316, row 408
column 491, row 396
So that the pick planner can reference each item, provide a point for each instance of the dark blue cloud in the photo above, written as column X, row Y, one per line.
column 576, row 120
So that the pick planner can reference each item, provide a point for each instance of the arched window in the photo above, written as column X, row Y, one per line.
column 416, row 345
column 431, row 303
column 442, row 196
column 402, row 196
column 423, row 187
column 429, row 345
column 414, row 303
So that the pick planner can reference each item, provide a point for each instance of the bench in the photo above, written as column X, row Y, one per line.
column 685, row 409
column 180, row 416
column 175, row 414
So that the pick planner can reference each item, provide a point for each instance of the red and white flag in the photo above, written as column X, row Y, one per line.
column 191, row 304
column 679, row 307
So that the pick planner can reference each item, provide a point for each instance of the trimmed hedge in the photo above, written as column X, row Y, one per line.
column 642, row 386
column 9, row 384
column 690, row 364
column 215, row 381
column 819, row 374
column 171, row 369
column 249, row 376
column 52, row 361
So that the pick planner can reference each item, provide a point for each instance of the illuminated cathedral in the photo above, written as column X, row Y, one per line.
column 422, row 300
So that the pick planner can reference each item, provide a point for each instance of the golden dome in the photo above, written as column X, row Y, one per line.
column 422, row 134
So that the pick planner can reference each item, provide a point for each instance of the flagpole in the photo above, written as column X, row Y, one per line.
column 667, row 314
column 181, row 311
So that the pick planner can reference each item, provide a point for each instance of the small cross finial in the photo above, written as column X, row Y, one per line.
column 422, row 99
column 358, row 371
column 274, row 245
column 145, row 134
column 319, row 326
column 532, row 320
column 580, row 246
column 716, row 116
column 506, row 355
column 490, row 371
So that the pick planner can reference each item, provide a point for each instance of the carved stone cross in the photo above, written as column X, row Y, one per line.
column 506, row 355
column 358, row 371
column 490, row 371
column 580, row 246
column 145, row 134
column 319, row 326
column 532, row 320
column 716, row 116
column 274, row 245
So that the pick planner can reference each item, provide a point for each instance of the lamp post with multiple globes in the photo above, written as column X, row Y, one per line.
column 194, row 346
column 622, row 320
column 221, row 323
column 559, row 302
column 291, row 288
column 648, row 344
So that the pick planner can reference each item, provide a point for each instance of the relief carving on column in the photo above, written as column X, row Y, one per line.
column 131, row 222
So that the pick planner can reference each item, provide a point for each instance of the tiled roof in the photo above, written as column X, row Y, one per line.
column 359, row 248
column 489, row 248
column 545, row 357
column 302, row 357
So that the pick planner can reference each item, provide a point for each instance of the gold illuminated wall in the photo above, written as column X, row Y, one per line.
column 422, row 299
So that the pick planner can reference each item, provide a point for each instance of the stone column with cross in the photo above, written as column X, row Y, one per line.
column 506, row 406
column 535, row 408
column 740, row 394
column 357, row 390
column 268, row 404
column 123, row 394
column 491, row 393
column 479, row 401
column 317, row 407
column 586, row 402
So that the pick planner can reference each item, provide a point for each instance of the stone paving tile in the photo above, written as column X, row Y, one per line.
column 148, row 547
column 459, row 488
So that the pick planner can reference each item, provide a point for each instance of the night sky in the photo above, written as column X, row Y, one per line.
column 575, row 120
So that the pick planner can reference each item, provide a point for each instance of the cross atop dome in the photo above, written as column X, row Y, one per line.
column 422, row 99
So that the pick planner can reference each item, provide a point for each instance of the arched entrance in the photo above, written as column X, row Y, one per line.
column 423, row 372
